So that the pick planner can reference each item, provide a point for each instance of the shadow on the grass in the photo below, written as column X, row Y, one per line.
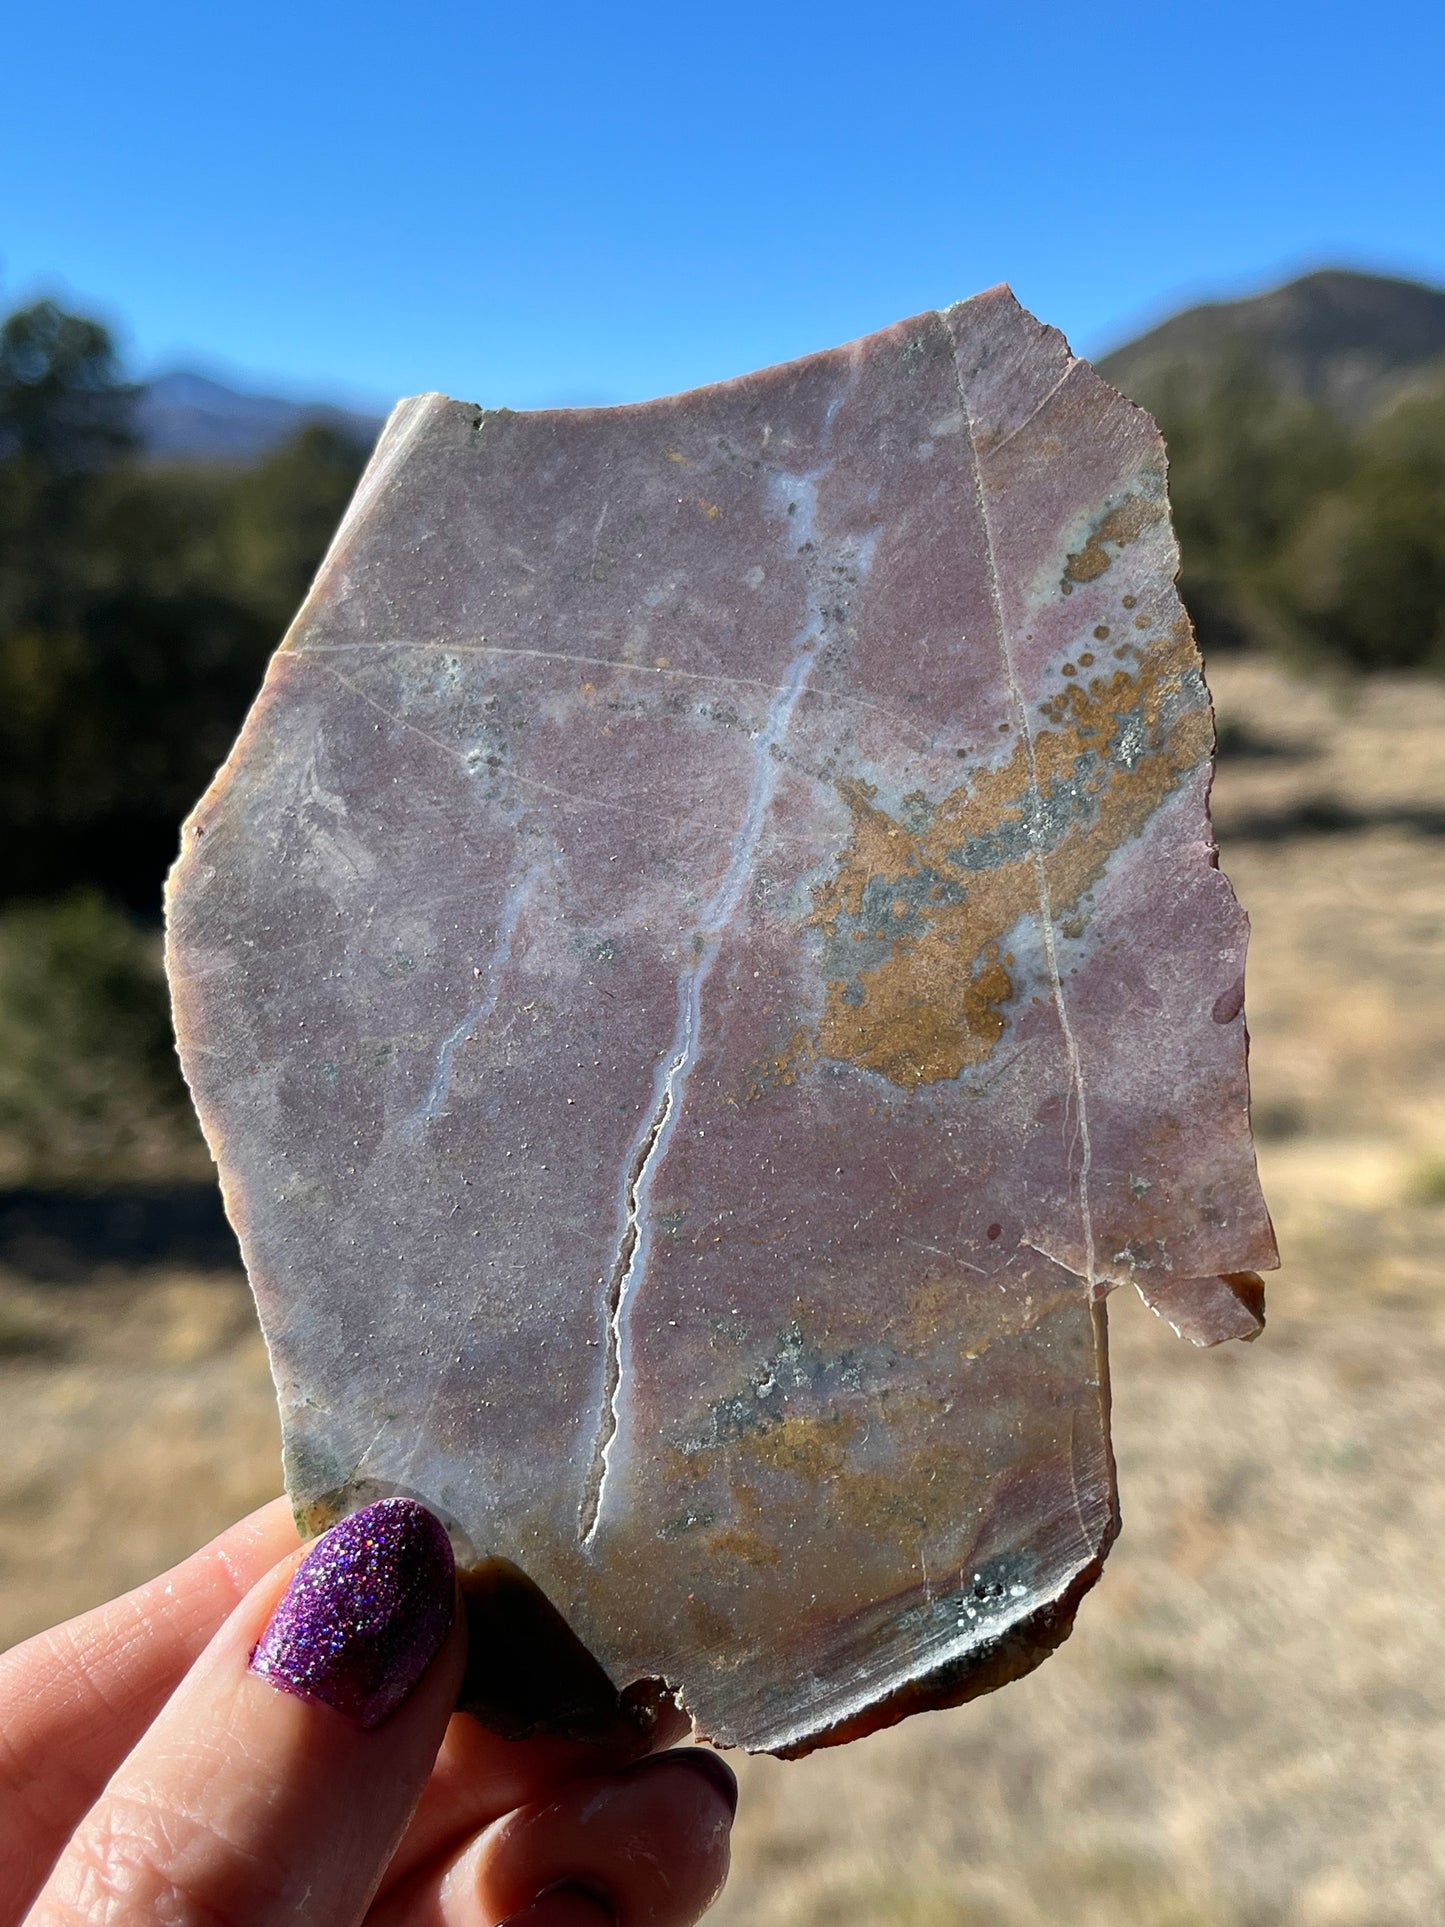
column 65, row 1237
column 1327, row 816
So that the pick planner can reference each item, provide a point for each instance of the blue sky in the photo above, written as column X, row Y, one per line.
column 539, row 204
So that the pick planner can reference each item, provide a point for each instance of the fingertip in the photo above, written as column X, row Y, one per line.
column 712, row 1767
column 568, row 1904
column 268, row 1533
column 654, row 1840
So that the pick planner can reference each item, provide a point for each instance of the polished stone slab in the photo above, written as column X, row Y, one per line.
column 705, row 965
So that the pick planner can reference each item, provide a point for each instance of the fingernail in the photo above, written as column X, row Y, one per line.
column 565, row 1905
column 365, row 1614
column 713, row 1768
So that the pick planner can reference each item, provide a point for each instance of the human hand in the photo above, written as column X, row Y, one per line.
column 260, row 1736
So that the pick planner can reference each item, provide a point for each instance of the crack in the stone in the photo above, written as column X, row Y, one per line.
column 617, row 1293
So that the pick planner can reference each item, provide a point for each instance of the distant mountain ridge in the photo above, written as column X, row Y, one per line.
column 1351, row 341
column 186, row 417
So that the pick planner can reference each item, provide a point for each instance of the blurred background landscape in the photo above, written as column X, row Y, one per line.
column 1248, row 1727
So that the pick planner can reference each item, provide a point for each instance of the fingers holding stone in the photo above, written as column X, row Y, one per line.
column 283, row 1771
column 649, row 1846
column 479, row 1777
column 75, row 1700
column 527, row 1674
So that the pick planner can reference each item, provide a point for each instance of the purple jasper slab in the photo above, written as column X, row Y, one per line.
column 705, row 965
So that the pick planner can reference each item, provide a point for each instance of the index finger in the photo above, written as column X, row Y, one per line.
column 75, row 1700
column 279, row 1775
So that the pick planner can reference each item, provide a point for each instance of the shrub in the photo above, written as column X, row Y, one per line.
column 90, row 1089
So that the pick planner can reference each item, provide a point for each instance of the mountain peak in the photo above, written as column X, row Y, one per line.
column 183, row 416
column 1347, row 339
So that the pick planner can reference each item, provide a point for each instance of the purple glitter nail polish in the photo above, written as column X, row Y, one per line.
column 365, row 1613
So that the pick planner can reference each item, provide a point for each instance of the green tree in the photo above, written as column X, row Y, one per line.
column 138, row 606
column 1246, row 463
column 64, row 420
column 63, row 406
column 1364, row 575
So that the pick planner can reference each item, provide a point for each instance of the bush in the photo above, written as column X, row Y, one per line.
column 1304, row 534
column 90, row 1088
column 1363, row 577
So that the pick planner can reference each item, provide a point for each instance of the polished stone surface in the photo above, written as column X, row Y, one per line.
column 704, row 966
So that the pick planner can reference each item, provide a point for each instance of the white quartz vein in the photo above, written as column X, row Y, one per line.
column 795, row 499
column 1046, row 911
column 513, row 905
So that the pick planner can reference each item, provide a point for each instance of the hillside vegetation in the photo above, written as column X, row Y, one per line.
column 1306, row 436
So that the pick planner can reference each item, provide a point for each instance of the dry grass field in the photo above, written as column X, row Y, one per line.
column 1247, row 1728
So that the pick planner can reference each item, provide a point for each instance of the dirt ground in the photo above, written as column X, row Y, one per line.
column 1247, row 1728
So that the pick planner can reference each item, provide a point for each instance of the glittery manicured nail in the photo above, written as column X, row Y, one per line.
column 365, row 1614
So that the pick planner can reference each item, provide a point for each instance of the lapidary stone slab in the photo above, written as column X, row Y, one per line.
column 704, row 966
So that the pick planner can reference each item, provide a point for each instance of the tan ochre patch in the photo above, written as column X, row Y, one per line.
column 816, row 1447
column 914, row 919
column 1121, row 525
column 936, row 1309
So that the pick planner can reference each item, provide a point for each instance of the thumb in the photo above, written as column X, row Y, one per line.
column 278, row 1779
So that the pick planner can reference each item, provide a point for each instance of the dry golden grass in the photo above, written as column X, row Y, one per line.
column 1248, row 1727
